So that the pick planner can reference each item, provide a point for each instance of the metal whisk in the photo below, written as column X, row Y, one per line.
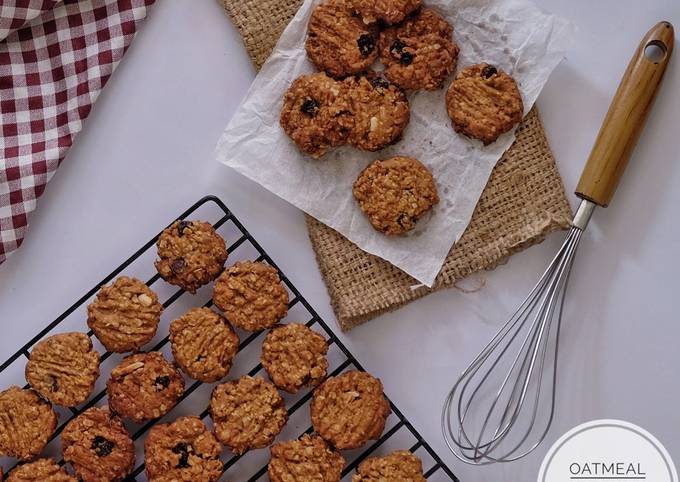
column 497, row 411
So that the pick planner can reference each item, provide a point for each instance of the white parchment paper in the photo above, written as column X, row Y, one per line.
column 512, row 34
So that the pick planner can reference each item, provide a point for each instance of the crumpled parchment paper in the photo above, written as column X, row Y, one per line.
column 514, row 35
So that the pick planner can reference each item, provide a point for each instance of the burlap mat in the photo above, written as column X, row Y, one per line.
column 523, row 201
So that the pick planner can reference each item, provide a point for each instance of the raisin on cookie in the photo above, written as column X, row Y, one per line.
column 308, row 459
column 98, row 447
column 315, row 114
column 251, row 295
column 338, row 42
column 24, row 434
column 190, row 254
column 394, row 193
column 63, row 368
column 294, row 356
column 144, row 386
column 182, row 450
column 125, row 315
column 484, row 102
column 247, row 413
column 419, row 53
column 203, row 344
column 380, row 112
column 349, row 410
column 42, row 470
column 400, row 465
column 389, row 11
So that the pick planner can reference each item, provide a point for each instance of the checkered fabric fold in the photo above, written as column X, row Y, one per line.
column 55, row 58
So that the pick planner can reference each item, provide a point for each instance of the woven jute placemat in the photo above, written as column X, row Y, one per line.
column 523, row 201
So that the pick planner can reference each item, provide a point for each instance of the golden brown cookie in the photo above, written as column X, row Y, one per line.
column 251, row 295
column 380, row 112
column 315, row 114
column 389, row 11
column 338, row 42
column 247, row 413
column 42, row 470
column 26, row 423
column 144, row 386
column 190, row 254
column 203, row 344
column 125, row 315
column 294, row 356
column 419, row 53
column 98, row 447
column 394, row 193
column 184, row 450
column 349, row 410
column 309, row 459
column 401, row 465
column 484, row 102
column 63, row 368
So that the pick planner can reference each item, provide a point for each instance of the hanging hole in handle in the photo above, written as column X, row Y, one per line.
column 655, row 51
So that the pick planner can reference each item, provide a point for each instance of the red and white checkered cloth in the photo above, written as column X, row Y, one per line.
column 55, row 57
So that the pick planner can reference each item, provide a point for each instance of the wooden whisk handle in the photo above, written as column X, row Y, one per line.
column 626, row 117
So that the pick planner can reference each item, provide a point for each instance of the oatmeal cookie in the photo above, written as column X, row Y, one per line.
column 182, row 450
column 63, row 368
column 190, row 254
column 125, row 315
column 389, row 11
column 203, row 344
column 419, row 53
column 32, row 422
column 315, row 114
column 338, row 42
column 294, row 356
column 484, row 102
column 42, row 470
column 379, row 112
column 247, row 413
column 144, row 386
column 395, row 193
column 98, row 447
column 349, row 410
column 251, row 295
column 309, row 459
column 401, row 465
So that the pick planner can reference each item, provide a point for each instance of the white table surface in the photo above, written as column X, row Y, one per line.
column 147, row 153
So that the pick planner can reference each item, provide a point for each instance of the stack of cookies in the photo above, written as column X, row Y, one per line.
column 347, row 102
column 247, row 413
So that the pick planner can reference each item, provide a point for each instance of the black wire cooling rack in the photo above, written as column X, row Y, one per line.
column 399, row 432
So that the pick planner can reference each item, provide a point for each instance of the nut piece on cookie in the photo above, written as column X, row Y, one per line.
column 419, row 53
column 182, row 450
column 349, row 410
column 315, row 114
column 389, row 11
column 338, row 42
column 125, row 315
column 306, row 459
column 144, row 386
column 98, row 447
column 400, row 465
column 251, row 295
column 63, row 368
column 394, row 193
column 294, row 356
column 42, row 470
column 190, row 254
column 203, row 344
column 380, row 112
column 484, row 102
column 27, row 431
column 247, row 413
